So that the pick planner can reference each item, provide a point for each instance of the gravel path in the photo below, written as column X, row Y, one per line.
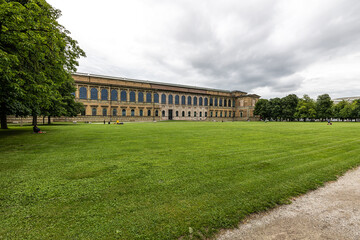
column 330, row 212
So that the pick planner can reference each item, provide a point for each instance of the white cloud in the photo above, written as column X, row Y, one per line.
column 272, row 48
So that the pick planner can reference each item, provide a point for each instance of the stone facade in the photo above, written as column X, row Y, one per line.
column 112, row 98
column 123, row 99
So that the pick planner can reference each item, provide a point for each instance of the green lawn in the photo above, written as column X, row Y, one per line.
column 160, row 180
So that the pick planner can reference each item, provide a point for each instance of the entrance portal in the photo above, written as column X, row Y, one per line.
column 170, row 114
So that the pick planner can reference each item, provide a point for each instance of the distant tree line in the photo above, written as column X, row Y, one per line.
column 292, row 108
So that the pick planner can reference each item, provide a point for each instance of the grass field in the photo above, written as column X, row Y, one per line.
column 161, row 180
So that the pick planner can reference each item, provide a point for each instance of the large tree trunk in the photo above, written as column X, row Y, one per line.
column 34, row 122
column 3, row 121
column 49, row 119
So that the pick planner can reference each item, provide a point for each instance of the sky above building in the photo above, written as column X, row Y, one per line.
column 271, row 48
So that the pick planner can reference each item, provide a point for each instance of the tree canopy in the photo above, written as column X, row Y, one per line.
column 37, row 56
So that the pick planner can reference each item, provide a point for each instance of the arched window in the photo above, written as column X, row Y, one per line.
column 163, row 113
column 225, row 103
column 215, row 102
column 170, row 99
column 104, row 112
column 200, row 114
column 189, row 101
column 211, row 114
column 183, row 113
column 224, row 113
column 148, row 97
column 149, row 112
column 156, row 98
column 241, row 114
column 216, row 114
column 177, row 113
column 177, row 99
column 104, row 94
column 156, row 113
column 163, row 99
column 132, row 96
column 200, row 101
column 195, row 101
column 205, row 101
column 123, row 96
column 83, row 93
column 221, row 114
column 189, row 114
column 123, row 112
column 114, row 112
column 220, row 102
column 93, row 111
column 194, row 114
column 140, row 97
column 229, row 103
column 205, row 114
column 93, row 94
column 141, row 113
column 114, row 95
column 183, row 100
column 211, row 101
column 132, row 112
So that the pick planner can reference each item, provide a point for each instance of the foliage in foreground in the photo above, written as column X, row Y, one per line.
column 37, row 55
column 161, row 180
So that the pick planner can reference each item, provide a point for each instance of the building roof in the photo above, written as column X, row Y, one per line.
column 153, row 82
column 348, row 99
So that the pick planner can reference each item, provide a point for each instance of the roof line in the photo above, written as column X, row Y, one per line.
column 153, row 82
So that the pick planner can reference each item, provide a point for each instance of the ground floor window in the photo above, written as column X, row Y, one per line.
column 104, row 112
column 220, row 114
column 83, row 112
column 123, row 112
column 189, row 114
column 216, row 114
column 225, row 114
column 163, row 113
column 194, row 114
column 211, row 114
column 183, row 113
column 93, row 111
column 177, row 113
column 205, row 114
column 132, row 112
column 200, row 114
column 149, row 112
column 241, row 114
column 156, row 113
column 229, row 114
column 141, row 113
column 114, row 112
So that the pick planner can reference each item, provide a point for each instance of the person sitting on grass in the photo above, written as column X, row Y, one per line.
column 37, row 130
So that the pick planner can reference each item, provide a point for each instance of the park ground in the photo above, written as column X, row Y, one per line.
column 163, row 180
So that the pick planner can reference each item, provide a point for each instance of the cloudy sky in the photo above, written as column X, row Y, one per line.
column 268, row 47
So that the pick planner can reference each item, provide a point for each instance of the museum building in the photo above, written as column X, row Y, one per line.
column 113, row 98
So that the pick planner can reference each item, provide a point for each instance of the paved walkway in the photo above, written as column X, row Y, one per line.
column 330, row 212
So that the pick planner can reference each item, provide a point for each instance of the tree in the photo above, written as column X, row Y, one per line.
column 305, row 108
column 275, row 108
column 37, row 56
column 289, row 104
column 324, row 106
column 262, row 108
column 338, row 111
column 355, row 109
